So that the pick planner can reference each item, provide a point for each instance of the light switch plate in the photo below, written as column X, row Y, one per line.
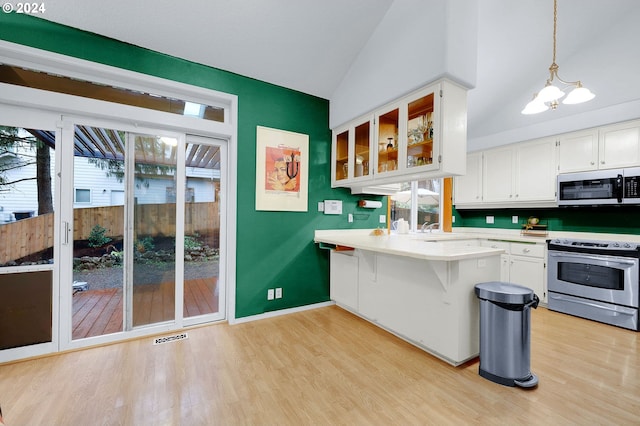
column 320, row 206
column 490, row 219
column 383, row 218
column 514, row 219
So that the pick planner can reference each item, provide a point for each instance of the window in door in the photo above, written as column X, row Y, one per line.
column 27, row 167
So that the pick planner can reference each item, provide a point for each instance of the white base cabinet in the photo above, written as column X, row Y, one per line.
column 343, row 278
column 431, row 304
column 523, row 264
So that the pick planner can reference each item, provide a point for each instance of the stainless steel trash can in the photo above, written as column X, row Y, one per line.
column 505, row 333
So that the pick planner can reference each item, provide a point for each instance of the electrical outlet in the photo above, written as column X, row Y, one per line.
column 270, row 295
column 350, row 217
column 383, row 218
column 514, row 219
column 320, row 206
column 453, row 219
column 279, row 293
column 490, row 219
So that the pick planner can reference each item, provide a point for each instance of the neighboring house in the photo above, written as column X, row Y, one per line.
column 92, row 188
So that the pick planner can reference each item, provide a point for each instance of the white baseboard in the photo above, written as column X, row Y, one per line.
column 272, row 314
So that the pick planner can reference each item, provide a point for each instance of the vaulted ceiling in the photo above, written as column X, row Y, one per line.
column 310, row 45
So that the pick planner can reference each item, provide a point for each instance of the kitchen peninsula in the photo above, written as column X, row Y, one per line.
column 419, row 287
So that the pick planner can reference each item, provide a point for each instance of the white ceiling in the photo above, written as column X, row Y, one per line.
column 309, row 45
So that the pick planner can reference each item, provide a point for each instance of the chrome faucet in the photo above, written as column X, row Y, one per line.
column 429, row 226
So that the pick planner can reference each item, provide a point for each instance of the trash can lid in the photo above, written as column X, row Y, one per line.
column 503, row 292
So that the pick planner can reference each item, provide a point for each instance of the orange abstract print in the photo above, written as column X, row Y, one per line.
column 282, row 167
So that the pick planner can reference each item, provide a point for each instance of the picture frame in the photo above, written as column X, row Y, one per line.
column 282, row 170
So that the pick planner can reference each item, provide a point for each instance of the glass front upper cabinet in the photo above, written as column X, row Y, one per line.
column 388, row 131
column 352, row 151
column 341, row 155
column 421, row 135
column 420, row 131
column 361, row 159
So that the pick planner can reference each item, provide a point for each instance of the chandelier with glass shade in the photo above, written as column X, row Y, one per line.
column 548, row 97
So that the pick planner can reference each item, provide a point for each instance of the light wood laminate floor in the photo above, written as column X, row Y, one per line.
column 325, row 366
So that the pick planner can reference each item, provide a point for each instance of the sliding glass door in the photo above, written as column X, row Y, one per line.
column 203, row 279
column 146, row 230
column 105, row 233
column 152, row 243
column 98, row 223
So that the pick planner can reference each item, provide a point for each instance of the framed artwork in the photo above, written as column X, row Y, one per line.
column 282, row 170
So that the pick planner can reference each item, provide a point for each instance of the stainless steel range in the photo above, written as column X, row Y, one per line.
column 598, row 280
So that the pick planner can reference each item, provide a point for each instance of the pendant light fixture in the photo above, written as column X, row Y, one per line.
column 549, row 95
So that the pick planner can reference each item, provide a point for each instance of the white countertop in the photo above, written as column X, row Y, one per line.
column 447, row 245
column 427, row 246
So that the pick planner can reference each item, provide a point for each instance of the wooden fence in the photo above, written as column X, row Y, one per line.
column 24, row 237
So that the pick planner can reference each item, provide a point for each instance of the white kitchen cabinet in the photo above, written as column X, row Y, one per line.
column 606, row 147
column 619, row 145
column 529, row 272
column 578, row 151
column 535, row 171
column 523, row 264
column 468, row 187
column 420, row 136
column 343, row 278
column 497, row 175
column 520, row 173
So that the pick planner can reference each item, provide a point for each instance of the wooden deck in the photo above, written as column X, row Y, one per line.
column 99, row 312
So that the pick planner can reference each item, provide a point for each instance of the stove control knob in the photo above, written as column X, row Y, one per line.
column 627, row 245
column 616, row 245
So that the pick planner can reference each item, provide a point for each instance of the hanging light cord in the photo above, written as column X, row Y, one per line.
column 553, row 69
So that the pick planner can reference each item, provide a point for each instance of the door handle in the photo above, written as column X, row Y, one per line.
column 65, row 232
column 619, row 309
column 594, row 258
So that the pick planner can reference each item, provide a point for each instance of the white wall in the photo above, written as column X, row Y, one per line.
column 417, row 42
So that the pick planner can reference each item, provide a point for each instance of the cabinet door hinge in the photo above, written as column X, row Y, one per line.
column 439, row 158
column 440, row 92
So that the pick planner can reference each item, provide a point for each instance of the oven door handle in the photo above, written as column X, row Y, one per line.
column 595, row 258
column 619, row 309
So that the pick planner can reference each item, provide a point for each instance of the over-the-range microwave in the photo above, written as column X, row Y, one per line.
column 599, row 187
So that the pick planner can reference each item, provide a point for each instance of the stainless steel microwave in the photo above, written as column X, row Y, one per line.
column 599, row 187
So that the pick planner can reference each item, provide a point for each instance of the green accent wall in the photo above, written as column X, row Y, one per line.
column 612, row 219
column 274, row 249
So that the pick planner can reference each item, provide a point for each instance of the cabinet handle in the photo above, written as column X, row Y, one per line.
column 526, row 250
column 592, row 163
column 602, row 162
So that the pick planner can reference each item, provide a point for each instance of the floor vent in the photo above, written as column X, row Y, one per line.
column 167, row 339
